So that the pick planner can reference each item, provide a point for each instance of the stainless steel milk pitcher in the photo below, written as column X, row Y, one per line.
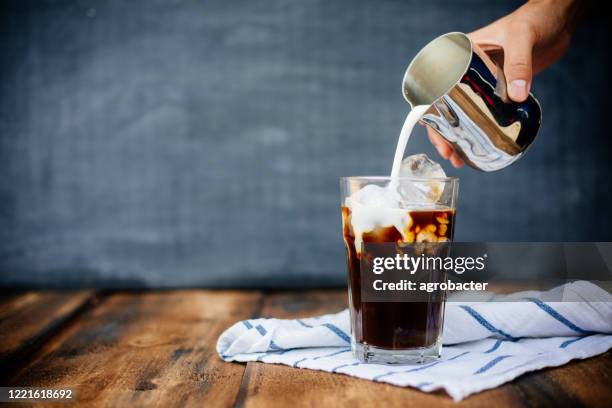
column 469, row 104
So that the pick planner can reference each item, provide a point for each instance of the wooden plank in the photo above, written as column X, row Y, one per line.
column 291, row 304
column 586, row 382
column 152, row 348
column 29, row 318
column 7, row 296
column 266, row 385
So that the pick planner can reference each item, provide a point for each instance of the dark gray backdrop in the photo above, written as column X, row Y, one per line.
column 179, row 143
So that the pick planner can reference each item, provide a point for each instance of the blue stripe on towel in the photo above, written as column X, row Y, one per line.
column 457, row 356
column 335, row 353
column 331, row 327
column 273, row 346
column 247, row 324
column 572, row 341
column 295, row 365
column 545, row 307
column 486, row 323
column 339, row 332
column 425, row 367
column 495, row 346
column 490, row 364
column 335, row 369
column 515, row 368
column 300, row 321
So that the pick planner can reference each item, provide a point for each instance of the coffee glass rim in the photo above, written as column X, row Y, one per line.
column 409, row 178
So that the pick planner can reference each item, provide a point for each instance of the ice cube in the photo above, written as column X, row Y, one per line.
column 421, row 192
column 421, row 166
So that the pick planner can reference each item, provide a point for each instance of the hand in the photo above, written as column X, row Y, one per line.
column 533, row 37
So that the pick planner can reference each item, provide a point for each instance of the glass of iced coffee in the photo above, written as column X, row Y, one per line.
column 405, row 213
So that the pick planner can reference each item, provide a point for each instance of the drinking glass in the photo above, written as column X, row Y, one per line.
column 392, row 329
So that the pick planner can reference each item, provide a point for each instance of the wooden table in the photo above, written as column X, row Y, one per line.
column 158, row 348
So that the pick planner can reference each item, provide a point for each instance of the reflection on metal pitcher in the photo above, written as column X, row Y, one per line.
column 468, row 107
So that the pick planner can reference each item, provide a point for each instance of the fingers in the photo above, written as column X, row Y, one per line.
column 518, row 61
column 456, row 161
column 487, row 37
column 517, row 38
column 444, row 149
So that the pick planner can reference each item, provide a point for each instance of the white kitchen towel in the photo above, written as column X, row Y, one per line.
column 486, row 343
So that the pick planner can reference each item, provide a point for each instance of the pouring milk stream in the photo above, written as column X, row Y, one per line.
column 411, row 120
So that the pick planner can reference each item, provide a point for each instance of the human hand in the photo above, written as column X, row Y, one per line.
column 532, row 38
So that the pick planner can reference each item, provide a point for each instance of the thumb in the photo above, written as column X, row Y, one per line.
column 518, row 64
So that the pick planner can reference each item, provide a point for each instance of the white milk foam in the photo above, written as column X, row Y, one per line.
column 375, row 206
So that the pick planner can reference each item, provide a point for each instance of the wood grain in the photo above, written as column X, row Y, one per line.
column 147, row 349
column 28, row 318
column 158, row 349
column 266, row 385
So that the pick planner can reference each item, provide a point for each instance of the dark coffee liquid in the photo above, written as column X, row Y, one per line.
column 396, row 325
